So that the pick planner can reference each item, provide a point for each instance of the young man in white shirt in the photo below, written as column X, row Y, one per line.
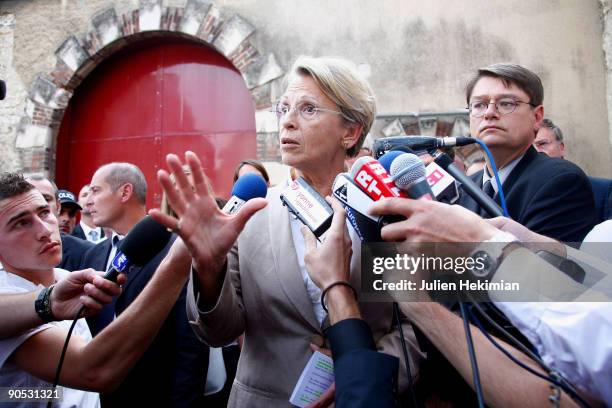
column 30, row 246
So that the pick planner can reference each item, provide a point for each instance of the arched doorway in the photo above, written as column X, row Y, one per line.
column 154, row 98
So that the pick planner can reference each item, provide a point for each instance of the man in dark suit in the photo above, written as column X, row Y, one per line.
column 172, row 371
column 73, row 248
column 86, row 229
column 550, row 196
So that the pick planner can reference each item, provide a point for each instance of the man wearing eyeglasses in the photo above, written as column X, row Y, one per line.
column 550, row 196
column 549, row 139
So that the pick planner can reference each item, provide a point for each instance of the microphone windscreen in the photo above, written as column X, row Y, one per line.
column 386, row 159
column 359, row 163
column 2, row 90
column 407, row 169
column 144, row 241
column 248, row 186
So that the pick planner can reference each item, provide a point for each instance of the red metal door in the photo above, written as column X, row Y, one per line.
column 154, row 99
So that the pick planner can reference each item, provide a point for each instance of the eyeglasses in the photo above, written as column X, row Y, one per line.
column 307, row 110
column 504, row 106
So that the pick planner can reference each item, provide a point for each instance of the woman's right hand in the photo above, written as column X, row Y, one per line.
column 207, row 232
column 329, row 262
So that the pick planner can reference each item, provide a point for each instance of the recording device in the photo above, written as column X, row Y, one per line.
column 386, row 159
column 408, row 173
column 372, row 178
column 308, row 206
column 248, row 186
column 141, row 244
column 356, row 203
column 468, row 185
column 442, row 184
column 2, row 90
column 385, row 144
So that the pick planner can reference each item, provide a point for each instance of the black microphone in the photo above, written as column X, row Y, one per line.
column 385, row 144
column 2, row 90
column 141, row 244
column 408, row 173
column 357, row 202
column 468, row 185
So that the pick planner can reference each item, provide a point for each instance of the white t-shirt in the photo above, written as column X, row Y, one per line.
column 12, row 376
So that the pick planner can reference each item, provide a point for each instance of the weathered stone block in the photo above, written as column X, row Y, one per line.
column 71, row 53
column 212, row 25
column 149, row 16
column 193, row 16
column 30, row 136
column 233, row 33
column 42, row 89
column 107, row 27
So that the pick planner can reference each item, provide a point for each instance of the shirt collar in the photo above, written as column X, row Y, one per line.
column 503, row 173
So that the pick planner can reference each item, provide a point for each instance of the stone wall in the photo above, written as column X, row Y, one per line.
column 417, row 55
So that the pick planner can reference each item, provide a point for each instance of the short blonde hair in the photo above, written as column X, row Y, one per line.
column 341, row 82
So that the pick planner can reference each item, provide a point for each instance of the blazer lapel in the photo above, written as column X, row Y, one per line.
column 516, row 173
column 285, row 259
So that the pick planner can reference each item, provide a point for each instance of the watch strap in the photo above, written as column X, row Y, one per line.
column 42, row 305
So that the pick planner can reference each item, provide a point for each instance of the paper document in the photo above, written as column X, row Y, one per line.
column 316, row 378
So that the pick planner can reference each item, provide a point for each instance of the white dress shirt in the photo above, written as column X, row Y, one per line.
column 87, row 230
column 574, row 338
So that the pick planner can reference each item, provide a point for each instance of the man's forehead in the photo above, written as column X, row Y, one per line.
column 99, row 177
column 488, row 86
column 26, row 202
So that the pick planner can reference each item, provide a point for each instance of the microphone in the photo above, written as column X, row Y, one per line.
column 443, row 185
column 384, row 144
column 408, row 173
column 141, row 244
column 372, row 178
column 2, row 90
column 249, row 185
column 356, row 203
column 307, row 205
column 386, row 159
column 468, row 185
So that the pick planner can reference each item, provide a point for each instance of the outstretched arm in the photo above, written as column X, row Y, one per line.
column 79, row 288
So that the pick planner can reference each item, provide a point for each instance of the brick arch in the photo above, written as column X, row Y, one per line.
column 109, row 32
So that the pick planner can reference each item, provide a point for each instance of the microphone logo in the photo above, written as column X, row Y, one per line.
column 341, row 193
column 120, row 262
column 368, row 183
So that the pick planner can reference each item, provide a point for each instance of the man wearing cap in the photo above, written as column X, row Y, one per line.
column 68, row 211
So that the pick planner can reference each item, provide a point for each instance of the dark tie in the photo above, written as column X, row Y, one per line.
column 488, row 190
column 107, row 314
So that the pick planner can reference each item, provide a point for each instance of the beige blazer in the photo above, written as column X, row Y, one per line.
column 264, row 296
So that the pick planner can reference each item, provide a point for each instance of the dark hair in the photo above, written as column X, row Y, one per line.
column 123, row 173
column 509, row 74
column 260, row 168
column 547, row 123
column 12, row 185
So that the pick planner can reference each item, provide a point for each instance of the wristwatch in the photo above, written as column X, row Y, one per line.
column 42, row 305
column 490, row 253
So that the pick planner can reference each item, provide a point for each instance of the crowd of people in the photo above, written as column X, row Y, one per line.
column 229, row 312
